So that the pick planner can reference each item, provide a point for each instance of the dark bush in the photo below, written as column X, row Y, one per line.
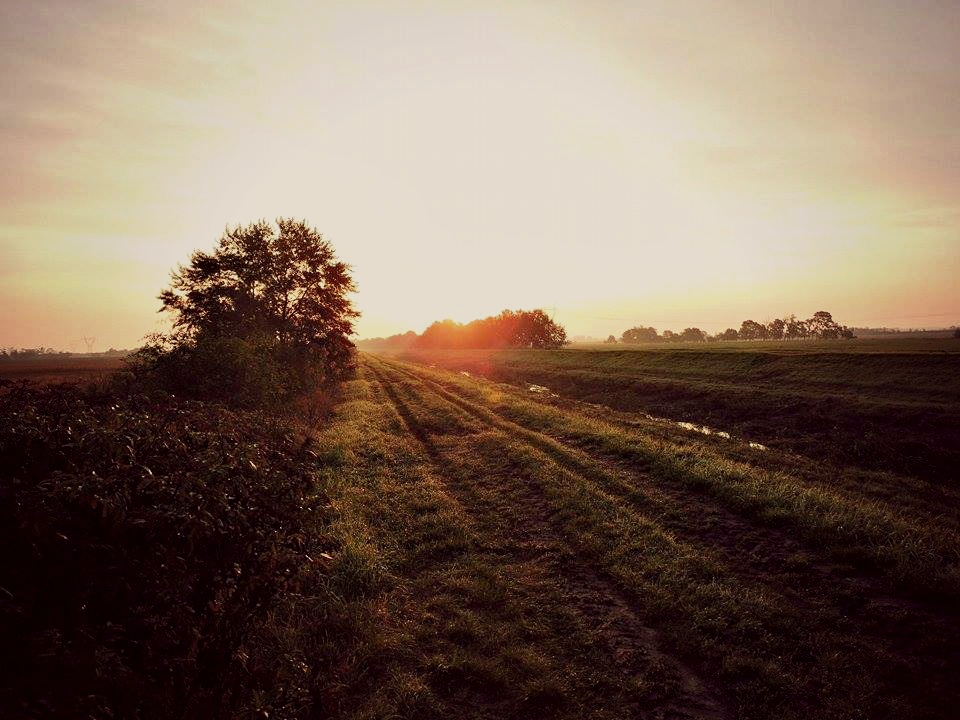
column 144, row 541
column 242, row 372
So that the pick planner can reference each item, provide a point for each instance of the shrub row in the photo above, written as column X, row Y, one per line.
column 145, row 538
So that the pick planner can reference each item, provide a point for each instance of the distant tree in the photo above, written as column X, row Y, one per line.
column 729, row 334
column 265, row 316
column 752, row 330
column 639, row 335
column 823, row 326
column 956, row 333
column 520, row 328
column 611, row 340
column 537, row 330
column 793, row 328
column 693, row 335
column 669, row 336
column 393, row 342
column 442, row 334
column 776, row 329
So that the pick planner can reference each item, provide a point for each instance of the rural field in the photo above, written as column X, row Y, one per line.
column 508, row 360
column 51, row 369
column 438, row 544
column 422, row 541
column 553, row 558
column 874, row 404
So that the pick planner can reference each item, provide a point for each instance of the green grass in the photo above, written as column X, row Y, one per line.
column 918, row 552
column 876, row 405
column 775, row 652
column 455, row 631
column 446, row 546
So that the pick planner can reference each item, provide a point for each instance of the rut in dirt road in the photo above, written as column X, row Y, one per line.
column 855, row 615
column 520, row 531
column 771, row 550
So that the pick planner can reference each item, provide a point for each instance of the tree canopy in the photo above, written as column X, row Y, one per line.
column 639, row 335
column 821, row 326
column 511, row 328
column 282, row 285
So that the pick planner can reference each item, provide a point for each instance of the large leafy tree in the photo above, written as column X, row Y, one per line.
column 282, row 285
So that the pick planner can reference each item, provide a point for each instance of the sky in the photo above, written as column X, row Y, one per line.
column 668, row 163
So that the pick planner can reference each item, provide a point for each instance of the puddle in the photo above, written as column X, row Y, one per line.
column 692, row 427
column 704, row 430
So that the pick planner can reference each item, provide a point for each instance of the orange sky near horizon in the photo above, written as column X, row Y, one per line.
column 667, row 163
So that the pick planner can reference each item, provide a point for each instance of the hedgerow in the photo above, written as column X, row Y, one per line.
column 148, row 543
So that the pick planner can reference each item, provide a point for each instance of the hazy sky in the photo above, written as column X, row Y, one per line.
column 667, row 163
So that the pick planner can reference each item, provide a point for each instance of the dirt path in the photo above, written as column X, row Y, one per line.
column 516, row 527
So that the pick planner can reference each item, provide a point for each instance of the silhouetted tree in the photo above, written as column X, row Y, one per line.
column 956, row 333
column 821, row 324
column 752, row 330
column 510, row 328
column 693, row 335
column 776, row 329
column 535, row 329
column 639, row 334
column 282, row 286
column 793, row 328
column 400, row 341
column 611, row 340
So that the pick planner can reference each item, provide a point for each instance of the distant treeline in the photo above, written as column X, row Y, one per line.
column 27, row 353
column 904, row 332
column 821, row 326
column 511, row 328
column 11, row 353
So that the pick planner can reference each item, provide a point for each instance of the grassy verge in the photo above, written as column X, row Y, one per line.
column 455, row 629
column 778, row 655
column 924, row 558
column 874, row 410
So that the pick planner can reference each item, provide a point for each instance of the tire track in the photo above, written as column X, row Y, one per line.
column 667, row 502
column 854, row 605
column 634, row 648
column 669, row 505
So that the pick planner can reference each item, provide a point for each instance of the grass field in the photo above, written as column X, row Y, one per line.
column 542, row 557
column 455, row 547
column 888, row 405
column 59, row 368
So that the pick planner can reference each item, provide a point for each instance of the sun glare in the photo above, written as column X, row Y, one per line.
column 469, row 158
